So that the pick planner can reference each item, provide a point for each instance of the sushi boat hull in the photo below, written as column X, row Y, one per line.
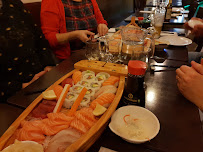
column 85, row 141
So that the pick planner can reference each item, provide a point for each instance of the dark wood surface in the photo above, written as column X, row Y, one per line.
column 8, row 114
column 179, row 118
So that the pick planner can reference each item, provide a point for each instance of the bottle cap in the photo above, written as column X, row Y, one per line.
column 140, row 18
column 136, row 67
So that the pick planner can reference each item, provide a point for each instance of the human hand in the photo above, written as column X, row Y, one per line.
column 189, row 82
column 102, row 29
column 34, row 78
column 197, row 30
column 83, row 35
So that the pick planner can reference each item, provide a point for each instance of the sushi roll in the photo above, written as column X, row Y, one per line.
column 70, row 99
column 104, row 74
column 90, row 93
column 84, row 83
column 95, row 85
column 87, row 72
column 100, row 78
column 85, row 102
column 89, row 77
column 76, row 88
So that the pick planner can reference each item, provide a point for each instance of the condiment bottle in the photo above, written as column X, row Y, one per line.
column 140, row 21
column 134, row 93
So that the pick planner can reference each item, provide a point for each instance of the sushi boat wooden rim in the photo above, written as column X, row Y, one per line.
column 85, row 141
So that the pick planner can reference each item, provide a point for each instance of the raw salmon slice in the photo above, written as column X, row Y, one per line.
column 79, row 126
column 77, row 76
column 104, row 99
column 111, row 81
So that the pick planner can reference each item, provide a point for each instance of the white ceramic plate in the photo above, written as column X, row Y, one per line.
column 176, row 40
column 134, row 124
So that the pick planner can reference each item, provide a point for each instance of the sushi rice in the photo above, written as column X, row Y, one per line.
column 89, row 77
column 104, row 74
column 87, row 72
column 76, row 88
column 85, row 102
column 90, row 93
column 84, row 83
column 95, row 85
column 70, row 99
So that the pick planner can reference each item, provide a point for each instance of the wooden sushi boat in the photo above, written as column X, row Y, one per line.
column 86, row 140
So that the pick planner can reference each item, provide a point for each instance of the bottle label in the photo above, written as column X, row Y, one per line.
column 130, row 99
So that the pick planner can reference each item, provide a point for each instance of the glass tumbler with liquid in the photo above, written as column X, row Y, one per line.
column 159, row 15
column 133, row 42
column 92, row 50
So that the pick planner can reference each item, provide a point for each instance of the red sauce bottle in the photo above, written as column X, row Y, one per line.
column 134, row 93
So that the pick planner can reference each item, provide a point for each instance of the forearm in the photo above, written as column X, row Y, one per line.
column 63, row 38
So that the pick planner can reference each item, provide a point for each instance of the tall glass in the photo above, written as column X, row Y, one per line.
column 159, row 15
column 92, row 50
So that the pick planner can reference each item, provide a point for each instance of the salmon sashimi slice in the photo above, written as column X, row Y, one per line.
column 112, row 80
column 52, row 130
column 58, row 90
column 84, row 120
column 77, row 76
column 88, row 113
column 104, row 99
column 79, row 126
column 59, row 117
column 32, row 126
column 24, row 135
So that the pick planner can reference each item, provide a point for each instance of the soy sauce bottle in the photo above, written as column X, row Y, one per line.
column 134, row 92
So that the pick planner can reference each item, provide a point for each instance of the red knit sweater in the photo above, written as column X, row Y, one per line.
column 53, row 22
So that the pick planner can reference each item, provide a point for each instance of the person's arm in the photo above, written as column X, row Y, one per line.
column 50, row 21
column 63, row 38
column 98, row 14
column 190, row 83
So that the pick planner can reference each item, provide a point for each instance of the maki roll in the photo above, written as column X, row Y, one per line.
column 70, row 99
column 85, row 102
column 84, row 83
column 100, row 78
column 90, row 93
column 95, row 85
column 89, row 77
column 104, row 74
column 87, row 72
column 76, row 88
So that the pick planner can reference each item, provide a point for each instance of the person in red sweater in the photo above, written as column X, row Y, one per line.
column 66, row 20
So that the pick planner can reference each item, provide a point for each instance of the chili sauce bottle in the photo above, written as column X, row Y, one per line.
column 134, row 92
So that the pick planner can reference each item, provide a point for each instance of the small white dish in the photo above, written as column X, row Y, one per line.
column 134, row 124
column 176, row 40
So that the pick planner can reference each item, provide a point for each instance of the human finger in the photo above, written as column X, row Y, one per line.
column 195, row 18
column 198, row 67
column 89, row 33
column 41, row 73
column 185, row 68
column 179, row 73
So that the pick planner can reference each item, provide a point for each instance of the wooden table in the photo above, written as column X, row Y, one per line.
column 179, row 118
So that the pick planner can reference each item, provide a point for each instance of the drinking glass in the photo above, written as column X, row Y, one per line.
column 158, row 18
column 133, row 42
column 92, row 50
